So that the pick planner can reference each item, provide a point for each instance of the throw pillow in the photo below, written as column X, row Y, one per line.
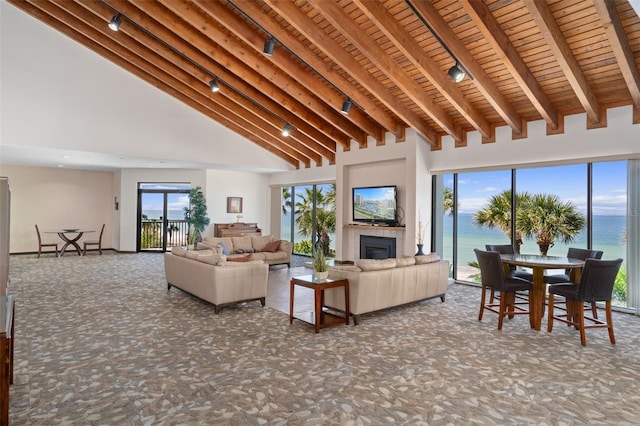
column 225, row 249
column 427, row 258
column 239, row 259
column 243, row 243
column 272, row 247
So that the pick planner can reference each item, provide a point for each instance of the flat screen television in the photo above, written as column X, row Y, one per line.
column 375, row 204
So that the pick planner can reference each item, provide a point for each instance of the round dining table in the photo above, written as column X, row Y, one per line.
column 70, row 237
column 538, row 295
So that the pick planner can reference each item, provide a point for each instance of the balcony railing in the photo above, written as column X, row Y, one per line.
column 152, row 231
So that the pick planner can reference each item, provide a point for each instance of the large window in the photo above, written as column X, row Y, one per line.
column 309, row 216
column 557, row 207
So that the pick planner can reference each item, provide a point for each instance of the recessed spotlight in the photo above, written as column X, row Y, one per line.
column 60, row 165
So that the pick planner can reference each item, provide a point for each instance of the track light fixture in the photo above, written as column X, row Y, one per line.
column 456, row 73
column 213, row 84
column 269, row 46
column 286, row 131
column 115, row 22
column 346, row 106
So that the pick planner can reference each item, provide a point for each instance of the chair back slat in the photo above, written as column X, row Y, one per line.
column 597, row 279
column 500, row 248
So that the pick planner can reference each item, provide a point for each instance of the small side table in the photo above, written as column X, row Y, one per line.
column 321, row 319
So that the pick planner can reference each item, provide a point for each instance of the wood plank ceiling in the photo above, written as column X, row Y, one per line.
column 525, row 60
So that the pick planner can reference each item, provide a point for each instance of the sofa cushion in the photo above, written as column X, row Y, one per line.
column 427, row 258
column 375, row 264
column 405, row 261
column 271, row 247
column 213, row 259
column 179, row 251
column 259, row 241
column 216, row 249
column 242, row 243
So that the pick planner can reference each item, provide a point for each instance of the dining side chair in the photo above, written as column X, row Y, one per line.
column 97, row 242
column 41, row 245
column 596, row 285
column 493, row 278
column 575, row 253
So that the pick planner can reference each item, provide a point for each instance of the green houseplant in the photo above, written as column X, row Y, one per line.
column 320, row 266
column 196, row 215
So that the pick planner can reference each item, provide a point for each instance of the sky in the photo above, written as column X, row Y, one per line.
column 568, row 182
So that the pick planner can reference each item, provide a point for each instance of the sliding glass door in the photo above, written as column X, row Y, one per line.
column 161, row 223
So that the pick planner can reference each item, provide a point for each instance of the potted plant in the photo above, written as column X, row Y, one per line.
column 196, row 216
column 320, row 266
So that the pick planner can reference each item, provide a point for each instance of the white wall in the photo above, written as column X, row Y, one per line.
column 58, row 198
column 619, row 140
column 255, row 193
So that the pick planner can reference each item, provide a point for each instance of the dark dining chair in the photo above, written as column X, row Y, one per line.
column 575, row 253
column 42, row 245
column 97, row 242
column 596, row 285
column 493, row 278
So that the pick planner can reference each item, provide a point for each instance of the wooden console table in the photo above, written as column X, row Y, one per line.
column 236, row 229
column 7, row 312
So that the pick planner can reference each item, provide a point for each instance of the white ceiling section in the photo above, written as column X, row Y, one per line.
column 96, row 116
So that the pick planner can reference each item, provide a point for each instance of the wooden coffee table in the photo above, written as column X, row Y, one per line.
column 320, row 318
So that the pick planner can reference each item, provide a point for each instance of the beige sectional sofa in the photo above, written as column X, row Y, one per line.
column 211, row 277
column 376, row 284
column 255, row 247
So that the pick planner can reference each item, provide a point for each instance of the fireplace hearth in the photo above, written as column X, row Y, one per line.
column 377, row 247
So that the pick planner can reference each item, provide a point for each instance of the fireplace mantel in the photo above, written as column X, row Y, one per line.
column 376, row 227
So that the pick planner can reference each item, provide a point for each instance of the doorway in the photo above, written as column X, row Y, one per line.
column 161, row 223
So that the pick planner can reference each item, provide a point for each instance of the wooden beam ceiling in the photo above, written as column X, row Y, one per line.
column 526, row 59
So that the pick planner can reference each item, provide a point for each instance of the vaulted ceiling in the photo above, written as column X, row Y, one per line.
column 525, row 60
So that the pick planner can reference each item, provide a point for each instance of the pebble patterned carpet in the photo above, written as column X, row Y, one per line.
column 100, row 341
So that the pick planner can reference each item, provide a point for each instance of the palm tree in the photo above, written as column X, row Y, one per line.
column 286, row 196
column 497, row 214
column 548, row 218
column 325, row 215
column 447, row 203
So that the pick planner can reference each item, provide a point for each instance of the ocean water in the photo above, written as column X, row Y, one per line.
column 608, row 236
column 156, row 214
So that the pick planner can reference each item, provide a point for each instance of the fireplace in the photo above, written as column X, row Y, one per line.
column 377, row 247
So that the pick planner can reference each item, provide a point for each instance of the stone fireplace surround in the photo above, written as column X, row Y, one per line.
column 352, row 234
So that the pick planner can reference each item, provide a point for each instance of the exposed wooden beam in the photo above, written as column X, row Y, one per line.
column 308, row 28
column 481, row 80
column 139, row 43
column 287, row 64
column 194, row 48
column 621, row 49
column 390, row 27
column 499, row 41
column 333, row 13
column 561, row 50
column 297, row 93
column 102, row 43
column 275, row 28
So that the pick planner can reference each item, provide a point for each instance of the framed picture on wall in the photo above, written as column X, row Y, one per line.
column 234, row 204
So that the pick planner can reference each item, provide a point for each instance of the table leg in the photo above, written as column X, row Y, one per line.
column 346, row 303
column 291, row 291
column 536, row 298
column 318, row 303
column 72, row 241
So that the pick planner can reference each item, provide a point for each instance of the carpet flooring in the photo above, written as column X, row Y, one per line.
column 100, row 341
